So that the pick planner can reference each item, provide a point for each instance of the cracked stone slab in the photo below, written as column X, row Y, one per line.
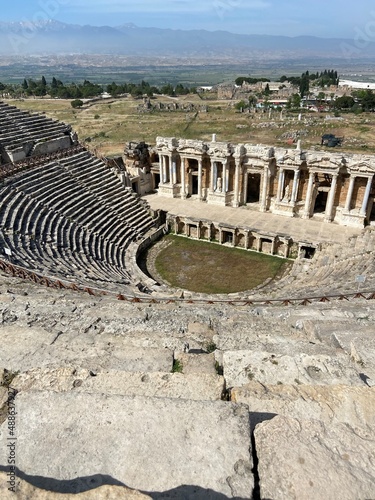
column 307, row 459
column 241, row 367
column 149, row 444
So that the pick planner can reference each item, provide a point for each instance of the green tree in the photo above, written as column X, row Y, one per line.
column 344, row 102
column 77, row 103
column 304, row 85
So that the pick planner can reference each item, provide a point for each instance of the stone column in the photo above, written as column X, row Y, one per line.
column 307, row 210
column 350, row 193
column 199, row 179
column 236, row 184
column 295, row 186
column 366, row 197
column 199, row 231
column 226, row 169
column 246, row 239
column 183, row 184
column 331, row 199
column 273, row 245
column 174, row 172
column 263, row 201
column 280, row 187
column 245, row 185
column 171, row 179
column 259, row 243
column 162, row 169
column 224, row 177
column 286, row 249
column 213, row 177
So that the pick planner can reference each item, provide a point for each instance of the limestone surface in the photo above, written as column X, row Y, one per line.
column 240, row 367
column 201, row 386
column 307, row 459
column 149, row 444
column 331, row 403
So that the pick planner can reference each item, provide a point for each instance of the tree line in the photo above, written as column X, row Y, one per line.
column 57, row 89
column 321, row 79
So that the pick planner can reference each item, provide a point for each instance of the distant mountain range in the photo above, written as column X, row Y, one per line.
column 53, row 37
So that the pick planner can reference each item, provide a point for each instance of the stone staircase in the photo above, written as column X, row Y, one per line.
column 206, row 393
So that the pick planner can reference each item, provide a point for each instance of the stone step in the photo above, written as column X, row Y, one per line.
column 354, row 406
column 241, row 367
column 190, row 449
column 192, row 363
column 194, row 386
column 37, row 347
column 308, row 459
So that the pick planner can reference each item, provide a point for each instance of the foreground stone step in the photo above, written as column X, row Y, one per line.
column 194, row 448
column 307, row 459
column 35, row 489
column 194, row 386
column 25, row 348
column 241, row 367
column 334, row 403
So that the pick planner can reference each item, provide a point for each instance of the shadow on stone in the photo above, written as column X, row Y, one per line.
column 88, row 483
column 259, row 417
column 189, row 492
column 76, row 485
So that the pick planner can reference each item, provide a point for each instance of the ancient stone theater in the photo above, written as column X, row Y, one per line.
column 113, row 385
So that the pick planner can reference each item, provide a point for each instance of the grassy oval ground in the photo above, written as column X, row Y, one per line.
column 210, row 268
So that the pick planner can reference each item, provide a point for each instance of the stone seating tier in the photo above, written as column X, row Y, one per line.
column 52, row 222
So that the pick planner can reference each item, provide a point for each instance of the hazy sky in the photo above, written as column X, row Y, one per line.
column 334, row 18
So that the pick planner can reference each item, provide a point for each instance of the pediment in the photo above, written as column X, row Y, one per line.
column 362, row 166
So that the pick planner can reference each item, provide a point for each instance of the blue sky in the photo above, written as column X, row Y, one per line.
column 335, row 18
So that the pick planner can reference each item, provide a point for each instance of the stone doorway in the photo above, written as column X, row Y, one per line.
column 253, row 188
column 321, row 202
column 194, row 183
column 156, row 180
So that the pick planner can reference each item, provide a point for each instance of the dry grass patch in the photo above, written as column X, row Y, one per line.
column 211, row 268
column 121, row 122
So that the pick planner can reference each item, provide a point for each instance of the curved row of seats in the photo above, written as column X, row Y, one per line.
column 71, row 218
column 19, row 127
